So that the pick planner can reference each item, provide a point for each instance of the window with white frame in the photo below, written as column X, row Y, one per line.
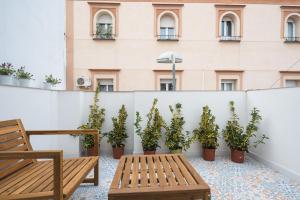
column 104, row 26
column 228, row 84
column 292, row 83
column 292, row 30
column 166, row 85
column 167, row 27
column 227, row 27
column 106, row 85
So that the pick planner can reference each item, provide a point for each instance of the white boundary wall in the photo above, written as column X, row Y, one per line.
column 43, row 109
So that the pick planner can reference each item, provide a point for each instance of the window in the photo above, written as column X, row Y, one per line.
column 106, row 85
column 228, row 85
column 227, row 27
column 166, row 85
column 292, row 83
column 167, row 27
column 229, row 24
column 104, row 26
column 292, row 32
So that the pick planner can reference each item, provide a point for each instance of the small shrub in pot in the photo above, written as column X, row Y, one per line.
column 238, row 138
column 207, row 134
column 95, row 121
column 152, row 133
column 118, row 135
column 24, row 78
column 176, row 139
column 6, row 73
column 51, row 81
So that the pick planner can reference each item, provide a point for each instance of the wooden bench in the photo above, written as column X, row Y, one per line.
column 23, row 177
column 157, row 177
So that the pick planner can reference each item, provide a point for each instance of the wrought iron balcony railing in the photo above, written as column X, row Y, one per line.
column 230, row 38
column 104, row 36
column 292, row 39
column 167, row 37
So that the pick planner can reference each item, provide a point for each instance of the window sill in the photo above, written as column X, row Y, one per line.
column 106, row 39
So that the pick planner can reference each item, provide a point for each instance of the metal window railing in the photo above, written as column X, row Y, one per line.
column 104, row 36
column 230, row 38
column 292, row 39
column 167, row 37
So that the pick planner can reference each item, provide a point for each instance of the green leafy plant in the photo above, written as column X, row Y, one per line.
column 175, row 137
column 22, row 74
column 104, row 32
column 234, row 134
column 7, row 69
column 207, row 132
column 95, row 121
column 118, row 135
column 51, row 80
column 152, row 133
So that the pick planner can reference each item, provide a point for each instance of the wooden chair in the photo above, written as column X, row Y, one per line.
column 23, row 177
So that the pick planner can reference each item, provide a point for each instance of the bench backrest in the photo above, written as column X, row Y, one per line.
column 13, row 138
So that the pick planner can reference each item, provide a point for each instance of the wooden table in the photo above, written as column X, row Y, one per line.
column 160, row 176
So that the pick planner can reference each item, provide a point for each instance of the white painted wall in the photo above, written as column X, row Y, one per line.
column 280, row 110
column 43, row 109
column 32, row 35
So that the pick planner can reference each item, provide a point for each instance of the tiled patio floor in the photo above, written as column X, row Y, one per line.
column 228, row 181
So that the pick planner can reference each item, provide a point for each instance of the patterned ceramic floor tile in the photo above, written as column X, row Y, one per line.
column 228, row 181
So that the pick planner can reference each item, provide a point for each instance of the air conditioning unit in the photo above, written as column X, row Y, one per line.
column 83, row 82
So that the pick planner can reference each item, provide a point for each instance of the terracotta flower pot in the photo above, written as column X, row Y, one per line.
column 176, row 151
column 146, row 152
column 87, row 152
column 208, row 154
column 237, row 156
column 118, row 152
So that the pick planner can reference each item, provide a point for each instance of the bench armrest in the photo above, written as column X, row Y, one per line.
column 63, row 132
column 94, row 132
column 57, row 157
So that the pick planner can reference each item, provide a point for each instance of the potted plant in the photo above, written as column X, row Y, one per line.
column 237, row 138
column 51, row 82
column 176, row 140
column 95, row 121
column 6, row 72
column 152, row 133
column 118, row 135
column 24, row 78
column 207, row 134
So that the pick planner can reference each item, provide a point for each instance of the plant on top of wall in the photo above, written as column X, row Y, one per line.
column 176, row 140
column 152, row 133
column 118, row 135
column 23, row 77
column 237, row 138
column 95, row 121
column 50, row 81
column 207, row 134
column 6, row 72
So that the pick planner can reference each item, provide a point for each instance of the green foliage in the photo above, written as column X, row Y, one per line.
column 234, row 134
column 207, row 132
column 51, row 80
column 22, row 74
column 7, row 69
column 118, row 135
column 175, row 138
column 153, row 131
column 95, row 121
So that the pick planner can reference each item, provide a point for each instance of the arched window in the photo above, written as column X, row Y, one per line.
column 104, row 25
column 167, row 27
column 230, row 27
column 292, row 28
